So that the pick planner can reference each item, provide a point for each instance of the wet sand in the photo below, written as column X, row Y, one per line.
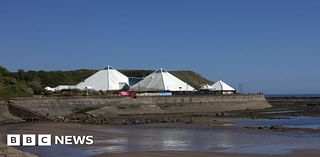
column 6, row 151
column 305, row 153
column 111, row 133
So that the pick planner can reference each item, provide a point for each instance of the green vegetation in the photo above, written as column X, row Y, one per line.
column 12, row 87
column 29, row 83
column 136, row 73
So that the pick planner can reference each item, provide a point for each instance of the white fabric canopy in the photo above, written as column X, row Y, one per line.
column 106, row 80
column 161, row 80
column 221, row 86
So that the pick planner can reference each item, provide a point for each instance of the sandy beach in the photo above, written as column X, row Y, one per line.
column 132, row 141
column 251, row 133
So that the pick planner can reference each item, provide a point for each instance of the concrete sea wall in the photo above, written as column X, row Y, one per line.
column 6, row 116
column 110, row 106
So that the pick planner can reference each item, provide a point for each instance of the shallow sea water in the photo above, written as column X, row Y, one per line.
column 135, row 139
column 291, row 122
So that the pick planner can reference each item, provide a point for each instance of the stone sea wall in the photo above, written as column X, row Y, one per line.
column 111, row 106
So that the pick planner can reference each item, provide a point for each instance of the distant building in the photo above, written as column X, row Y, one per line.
column 60, row 87
column 134, row 80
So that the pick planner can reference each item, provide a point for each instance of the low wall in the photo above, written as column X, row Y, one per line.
column 63, row 106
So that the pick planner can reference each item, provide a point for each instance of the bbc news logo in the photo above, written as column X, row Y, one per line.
column 46, row 140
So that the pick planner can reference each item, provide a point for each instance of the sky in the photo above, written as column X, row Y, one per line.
column 270, row 46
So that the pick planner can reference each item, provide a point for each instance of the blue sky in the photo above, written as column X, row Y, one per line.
column 271, row 46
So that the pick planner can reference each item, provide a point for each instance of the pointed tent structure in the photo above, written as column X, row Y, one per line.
column 107, row 79
column 220, row 86
column 161, row 80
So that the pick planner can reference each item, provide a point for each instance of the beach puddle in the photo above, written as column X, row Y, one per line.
column 210, row 140
column 290, row 122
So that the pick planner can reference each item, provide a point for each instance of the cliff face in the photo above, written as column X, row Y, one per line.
column 111, row 106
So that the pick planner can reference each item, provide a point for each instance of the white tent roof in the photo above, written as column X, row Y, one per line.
column 206, row 87
column 50, row 89
column 161, row 80
column 106, row 80
column 221, row 86
column 60, row 87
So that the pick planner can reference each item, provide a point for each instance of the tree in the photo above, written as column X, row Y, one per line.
column 4, row 71
column 21, row 74
column 36, row 87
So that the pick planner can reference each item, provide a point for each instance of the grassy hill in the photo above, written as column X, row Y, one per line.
column 22, row 83
column 192, row 78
